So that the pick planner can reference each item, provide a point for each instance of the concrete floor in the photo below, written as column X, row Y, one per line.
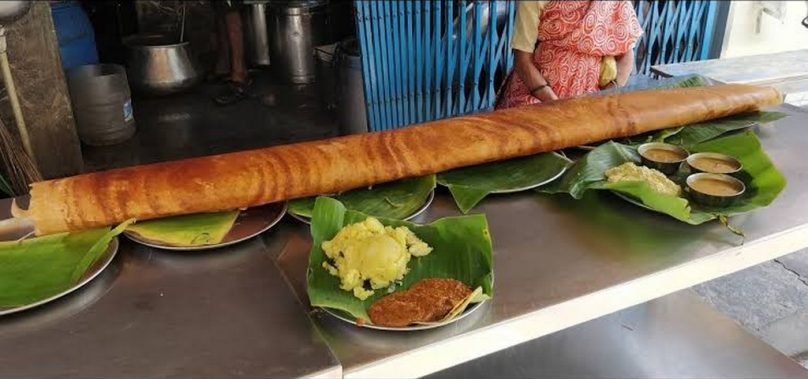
column 769, row 300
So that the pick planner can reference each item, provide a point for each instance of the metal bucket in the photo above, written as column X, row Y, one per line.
column 327, row 75
column 256, row 33
column 351, row 108
column 102, row 103
column 295, row 28
column 158, row 65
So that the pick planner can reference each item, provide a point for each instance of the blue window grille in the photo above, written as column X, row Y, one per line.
column 424, row 60
column 674, row 31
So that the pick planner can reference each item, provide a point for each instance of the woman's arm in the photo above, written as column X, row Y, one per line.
column 625, row 65
column 530, row 75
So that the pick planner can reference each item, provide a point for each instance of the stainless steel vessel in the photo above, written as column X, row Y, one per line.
column 256, row 32
column 296, row 27
column 159, row 65
column 351, row 92
column 327, row 75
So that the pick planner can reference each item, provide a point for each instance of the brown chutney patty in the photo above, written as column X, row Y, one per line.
column 425, row 301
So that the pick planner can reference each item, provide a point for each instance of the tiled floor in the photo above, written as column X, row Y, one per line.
column 769, row 300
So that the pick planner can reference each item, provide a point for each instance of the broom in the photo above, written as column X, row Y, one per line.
column 17, row 169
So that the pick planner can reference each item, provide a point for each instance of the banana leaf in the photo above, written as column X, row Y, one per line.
column 591, row 168
column 763, row 181
column 38, row 268
column 394, row 200
column 189, row 230
column 469, row 185
column 461, row 250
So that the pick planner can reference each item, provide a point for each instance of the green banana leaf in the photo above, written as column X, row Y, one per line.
column 763, row 181
column 394, row 200
column 469, row 185
column 38, row 268
column 189, row 230
column 590, row 169
column 461, row 250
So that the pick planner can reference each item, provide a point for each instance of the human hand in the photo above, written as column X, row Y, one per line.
column 545, row 94
column 612, row 84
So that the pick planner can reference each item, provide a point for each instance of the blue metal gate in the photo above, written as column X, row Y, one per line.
column 429, row 59
column 674, row 31
column 425, row 60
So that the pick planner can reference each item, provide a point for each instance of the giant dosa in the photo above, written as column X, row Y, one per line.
column 250, row 178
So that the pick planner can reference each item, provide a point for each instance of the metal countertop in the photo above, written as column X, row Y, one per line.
column 154, row 314
column 559, row 262
column 227, row 313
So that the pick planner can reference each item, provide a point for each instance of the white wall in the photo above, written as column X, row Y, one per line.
column 741, row 38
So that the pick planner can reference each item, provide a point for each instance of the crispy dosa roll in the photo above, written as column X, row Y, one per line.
column 255, row 177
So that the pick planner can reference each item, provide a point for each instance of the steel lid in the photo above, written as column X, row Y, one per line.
column 294, row 7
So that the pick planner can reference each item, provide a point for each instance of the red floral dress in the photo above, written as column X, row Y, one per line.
column 573, row 38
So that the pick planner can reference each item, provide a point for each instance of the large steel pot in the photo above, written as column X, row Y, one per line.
column 296, row 27
column 159, row 65
column 255, row 33
column 351, row 107
column 327, row 75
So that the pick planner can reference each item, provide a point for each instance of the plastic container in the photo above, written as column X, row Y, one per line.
column 102, row 104
column 74, row 33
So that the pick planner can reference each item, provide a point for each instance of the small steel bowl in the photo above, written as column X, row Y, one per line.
column 721, row 157
column 667, row 167
column 714, row 200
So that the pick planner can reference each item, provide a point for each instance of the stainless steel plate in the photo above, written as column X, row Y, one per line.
column 347, row 318
column 94, row 270
column 536, row 185
column 415, row 214
column 250, row 223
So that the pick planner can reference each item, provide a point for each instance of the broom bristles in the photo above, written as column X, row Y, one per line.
column 17, row 167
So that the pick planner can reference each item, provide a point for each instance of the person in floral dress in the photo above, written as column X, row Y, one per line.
column 568, row 48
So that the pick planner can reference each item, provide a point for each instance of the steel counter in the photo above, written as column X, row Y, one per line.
column 228, row 313
column 559, row 262
column 153, row 314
